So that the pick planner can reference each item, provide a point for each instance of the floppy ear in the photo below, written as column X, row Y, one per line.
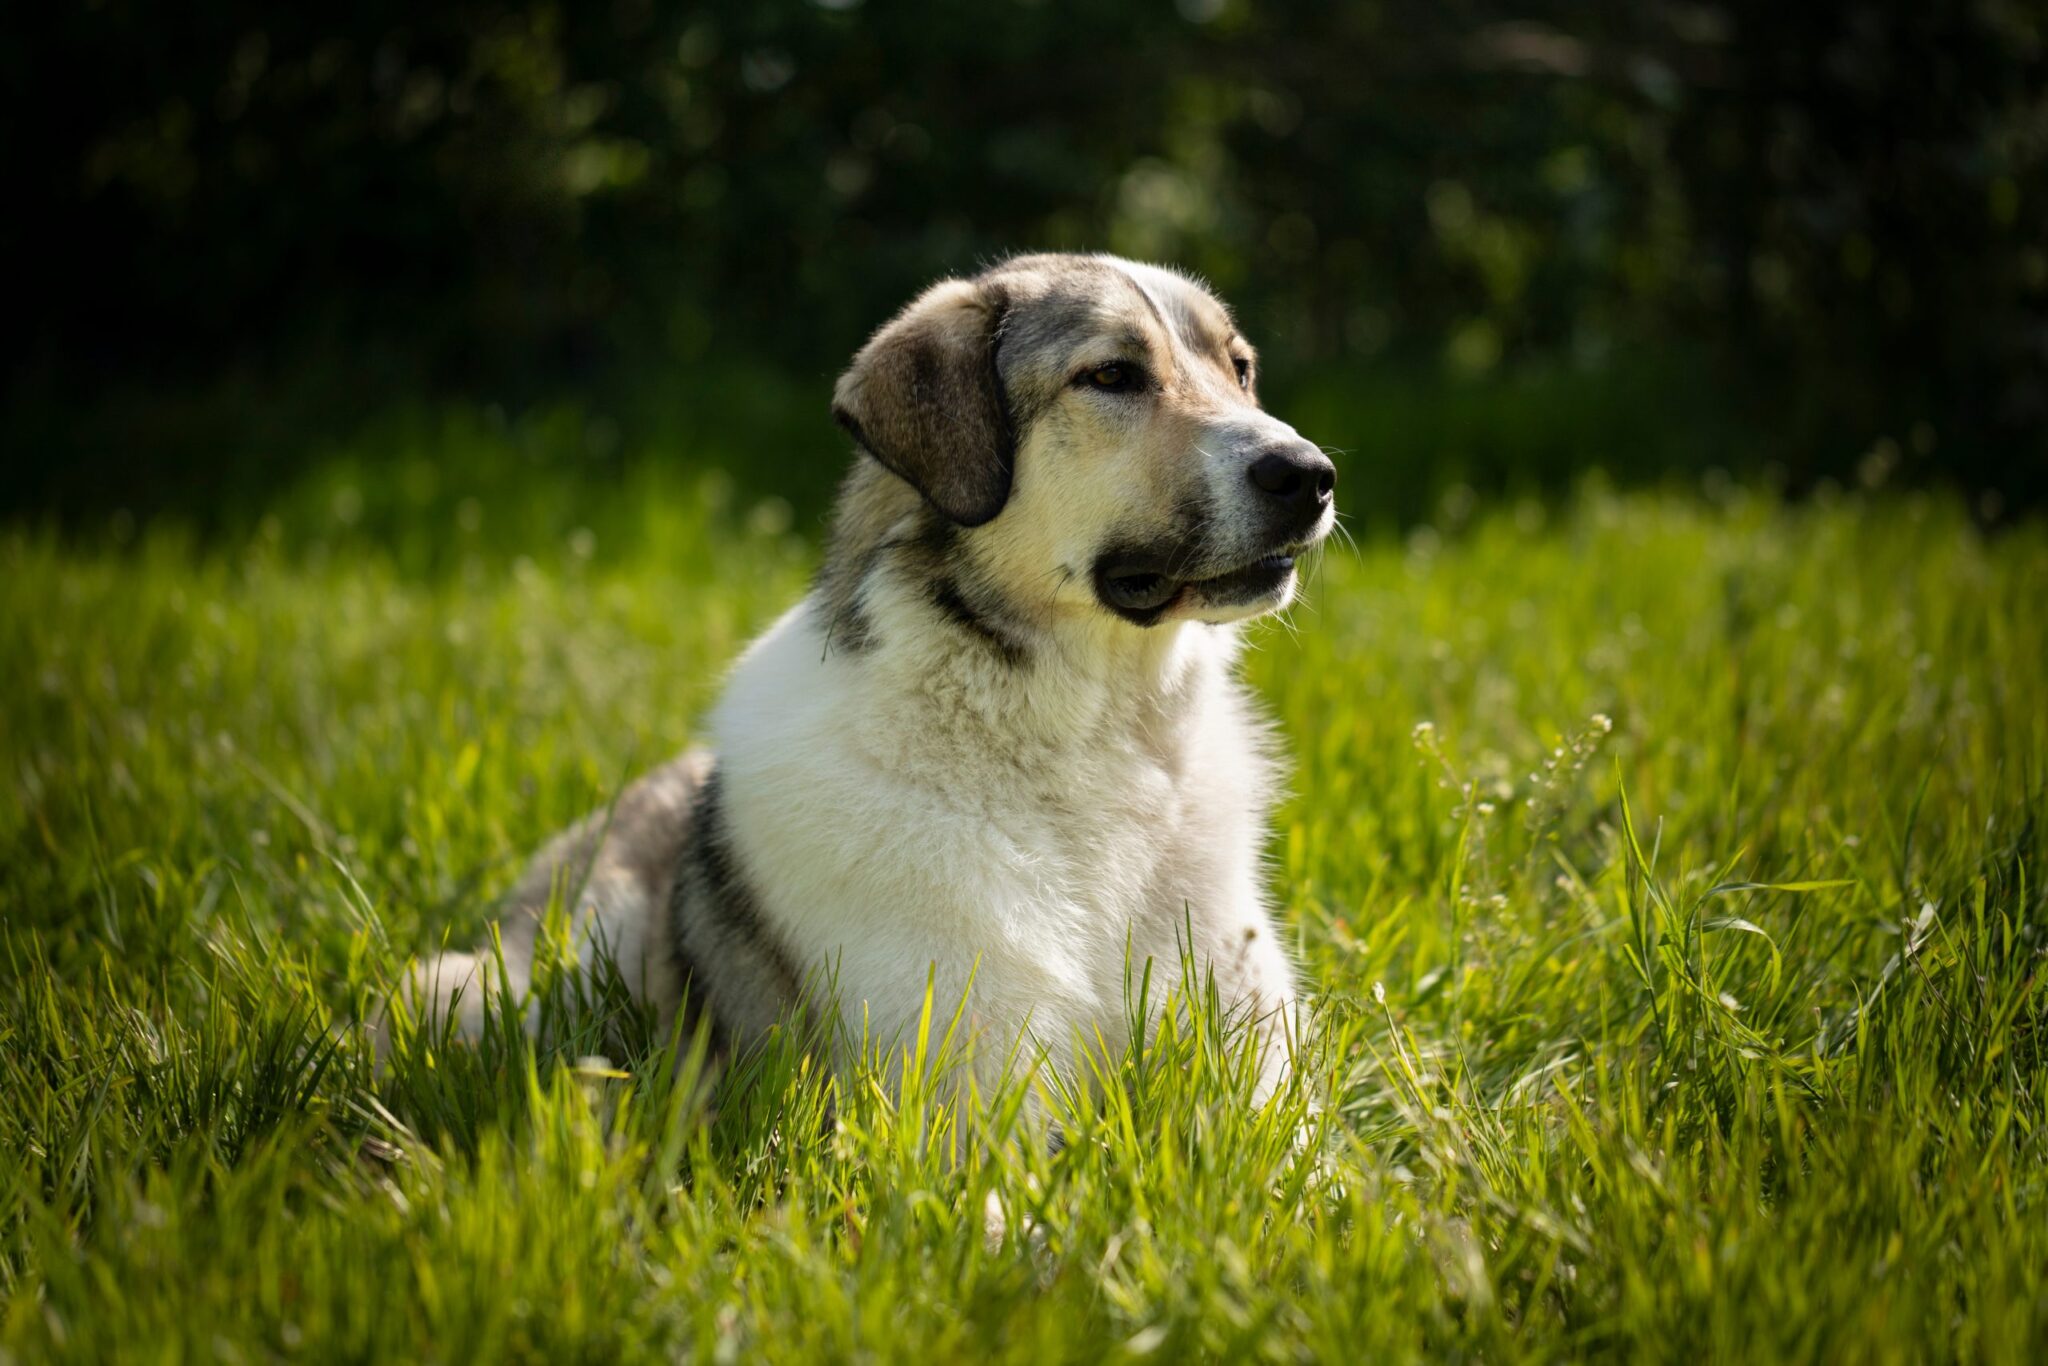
column 923, row 397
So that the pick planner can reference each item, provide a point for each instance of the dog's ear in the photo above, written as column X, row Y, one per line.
column 923, row 397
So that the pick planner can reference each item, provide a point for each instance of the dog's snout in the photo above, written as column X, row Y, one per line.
column 1296, row 475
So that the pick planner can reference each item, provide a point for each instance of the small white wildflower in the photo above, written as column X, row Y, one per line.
column 1379, row 992
column 1603, row 723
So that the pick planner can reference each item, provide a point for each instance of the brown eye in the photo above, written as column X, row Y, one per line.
column 1244, row 371
column 1115, row 378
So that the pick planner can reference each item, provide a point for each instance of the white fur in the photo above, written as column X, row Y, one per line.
column 927, row 809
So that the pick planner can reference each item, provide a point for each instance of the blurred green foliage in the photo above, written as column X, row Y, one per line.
column 1806, row 235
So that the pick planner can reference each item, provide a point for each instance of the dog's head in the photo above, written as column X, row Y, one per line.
column 1097, row 423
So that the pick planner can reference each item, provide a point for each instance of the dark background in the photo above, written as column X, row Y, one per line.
column 1497, row 245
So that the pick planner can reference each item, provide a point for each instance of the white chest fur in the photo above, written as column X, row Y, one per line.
column 929, row 809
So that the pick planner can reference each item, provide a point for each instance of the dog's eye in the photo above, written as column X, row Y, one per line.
column 1244, row 371
column 1115, row 378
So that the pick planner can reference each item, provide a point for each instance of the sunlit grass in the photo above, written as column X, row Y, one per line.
column 1668, row 872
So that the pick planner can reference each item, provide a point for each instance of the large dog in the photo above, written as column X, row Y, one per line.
column 1000, row 742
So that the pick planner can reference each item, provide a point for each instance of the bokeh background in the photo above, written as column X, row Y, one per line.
column 1485, row 247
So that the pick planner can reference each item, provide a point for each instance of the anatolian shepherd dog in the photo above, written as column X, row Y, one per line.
column 1000, row 742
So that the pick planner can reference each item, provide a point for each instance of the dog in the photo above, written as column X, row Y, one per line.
column 998, row 753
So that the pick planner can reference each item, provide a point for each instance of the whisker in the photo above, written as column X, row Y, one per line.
column 1337, row 525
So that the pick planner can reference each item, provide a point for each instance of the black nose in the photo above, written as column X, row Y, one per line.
column 1299, row 476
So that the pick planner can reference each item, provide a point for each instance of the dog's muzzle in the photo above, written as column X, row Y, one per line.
column 1282, row 513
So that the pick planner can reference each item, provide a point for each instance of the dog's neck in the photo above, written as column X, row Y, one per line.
column 947, row 655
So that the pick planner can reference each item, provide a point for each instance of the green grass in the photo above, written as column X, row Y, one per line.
column 1721, row 1033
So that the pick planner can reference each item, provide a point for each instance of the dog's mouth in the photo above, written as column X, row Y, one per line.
column 1141, row 590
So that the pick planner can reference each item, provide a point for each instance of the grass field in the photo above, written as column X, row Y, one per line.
column 1718, row 1034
